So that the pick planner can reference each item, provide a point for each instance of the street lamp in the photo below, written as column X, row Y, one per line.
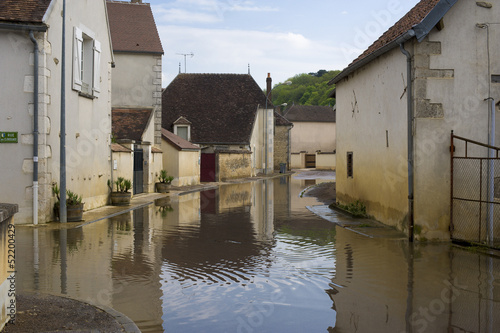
column 266, row 127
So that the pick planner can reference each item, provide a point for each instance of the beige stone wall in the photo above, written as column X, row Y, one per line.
column 326, row 161
column 182, row 165
column 281, row 149
column 234, row 165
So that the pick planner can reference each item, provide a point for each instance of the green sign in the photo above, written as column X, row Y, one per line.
column 8, row 137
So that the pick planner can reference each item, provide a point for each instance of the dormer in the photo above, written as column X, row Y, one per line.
column 182, row 128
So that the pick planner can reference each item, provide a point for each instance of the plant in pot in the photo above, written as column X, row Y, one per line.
column 165, row 181
column 74, row 205
column 120, row 197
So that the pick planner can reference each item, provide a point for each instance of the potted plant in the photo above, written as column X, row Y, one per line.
column 74, row 205
column 165, row 181
column 120, row 197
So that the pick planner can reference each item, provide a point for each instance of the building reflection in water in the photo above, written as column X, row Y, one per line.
column 216, row 258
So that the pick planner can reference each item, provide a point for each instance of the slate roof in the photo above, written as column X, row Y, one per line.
column 220, row 107
column 23, row 11
column 421, row 19
column 133, row 28
column 310, row 113
column 178, row 142
column 129, row 123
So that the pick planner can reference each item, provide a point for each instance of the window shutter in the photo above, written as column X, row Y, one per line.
column 96, row 85
column 77, row 59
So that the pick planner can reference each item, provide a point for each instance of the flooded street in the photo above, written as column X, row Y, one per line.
column 252, row 258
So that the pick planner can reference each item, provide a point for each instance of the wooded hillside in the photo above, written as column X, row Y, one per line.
column 306, row 89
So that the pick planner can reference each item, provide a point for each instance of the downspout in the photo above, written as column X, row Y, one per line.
column 35, row 129
column 410, row 141
column 491, row 172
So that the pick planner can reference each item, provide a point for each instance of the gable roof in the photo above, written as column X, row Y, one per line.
column 310, row 113
column 176, row 141
column 23, row 12
column 133, row 27
column 418, row 22
column 221, row 107
column 129, row 123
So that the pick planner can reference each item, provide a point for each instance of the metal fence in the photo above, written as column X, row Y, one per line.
column 475, row 192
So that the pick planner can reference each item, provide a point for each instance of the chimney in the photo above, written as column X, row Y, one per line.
column 136, row 1
column 269, row 82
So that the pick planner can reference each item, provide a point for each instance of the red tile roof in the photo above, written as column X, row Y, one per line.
column 23, row 11
column 133, row 28
column 412, row 18
column 178, row 142
column 129, row 123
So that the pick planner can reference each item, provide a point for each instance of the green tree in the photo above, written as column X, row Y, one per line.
column 306, row 89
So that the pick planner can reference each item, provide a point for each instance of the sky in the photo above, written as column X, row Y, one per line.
column 281, row 37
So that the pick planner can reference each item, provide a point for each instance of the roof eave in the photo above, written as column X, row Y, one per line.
column 42, row 27
column 420, row 31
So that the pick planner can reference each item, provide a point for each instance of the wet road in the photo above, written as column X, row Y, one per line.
column 251, row 258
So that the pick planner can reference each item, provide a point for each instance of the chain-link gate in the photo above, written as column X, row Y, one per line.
column 475, row 192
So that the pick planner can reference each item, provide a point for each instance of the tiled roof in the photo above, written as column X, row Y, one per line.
column 129, row 123
column 178, row 142
column 155, row 150
column 220, row 107
column 412, row 18
column 279, row 120
column 118, row 148
column 182, row 121
column 23, row 11
column 310, row 113
column 133, row 28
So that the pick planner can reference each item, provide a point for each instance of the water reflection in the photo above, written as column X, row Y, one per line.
column 250, row 258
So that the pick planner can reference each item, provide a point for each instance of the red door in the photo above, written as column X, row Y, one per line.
column 207, row 172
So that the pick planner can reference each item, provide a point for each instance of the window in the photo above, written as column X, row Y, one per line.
column 86, row 63
column 349, row 165
column 184, row 131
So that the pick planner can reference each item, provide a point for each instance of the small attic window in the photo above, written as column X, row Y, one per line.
column 182, row 128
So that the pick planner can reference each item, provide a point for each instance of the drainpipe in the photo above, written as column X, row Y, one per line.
column 35, row 129
column 491, row 171
column 62, row 196
column 410, row 142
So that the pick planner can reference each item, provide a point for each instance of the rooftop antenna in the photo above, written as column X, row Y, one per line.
column 248, row 69
column 179, row 67
column 191, row 54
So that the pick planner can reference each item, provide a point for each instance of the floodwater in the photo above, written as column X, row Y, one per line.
column 251, row 258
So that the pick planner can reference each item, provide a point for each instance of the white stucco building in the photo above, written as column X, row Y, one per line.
column 452, row 47
column 32, row 34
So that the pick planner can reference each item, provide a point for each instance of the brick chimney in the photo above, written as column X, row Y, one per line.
column 136, row 1
column 269, row 82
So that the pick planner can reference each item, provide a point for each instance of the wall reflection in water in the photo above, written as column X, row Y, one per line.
column 250, row 258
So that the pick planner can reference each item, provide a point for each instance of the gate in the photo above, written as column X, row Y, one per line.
column 475, row 192
column 207, row 171
column 138, row 170
column 310, row 160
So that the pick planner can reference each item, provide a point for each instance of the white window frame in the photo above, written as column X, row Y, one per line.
column 184, row 126
column 86, row 62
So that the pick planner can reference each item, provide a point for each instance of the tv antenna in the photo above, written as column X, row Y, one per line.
column 191, row 54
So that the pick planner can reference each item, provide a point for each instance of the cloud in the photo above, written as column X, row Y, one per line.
column 230, row 51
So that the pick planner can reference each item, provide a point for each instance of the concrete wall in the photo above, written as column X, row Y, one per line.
column 88, row 120
column 258, row 142
column 7, row 258
column 234, row 165
column 451, row 83
column 124, row 166
column 137, row 84
column 313, row 136
column 281, row 146
column 298, row 160
column 326, row 161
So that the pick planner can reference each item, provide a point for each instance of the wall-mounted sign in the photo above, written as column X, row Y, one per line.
column 8, row 137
